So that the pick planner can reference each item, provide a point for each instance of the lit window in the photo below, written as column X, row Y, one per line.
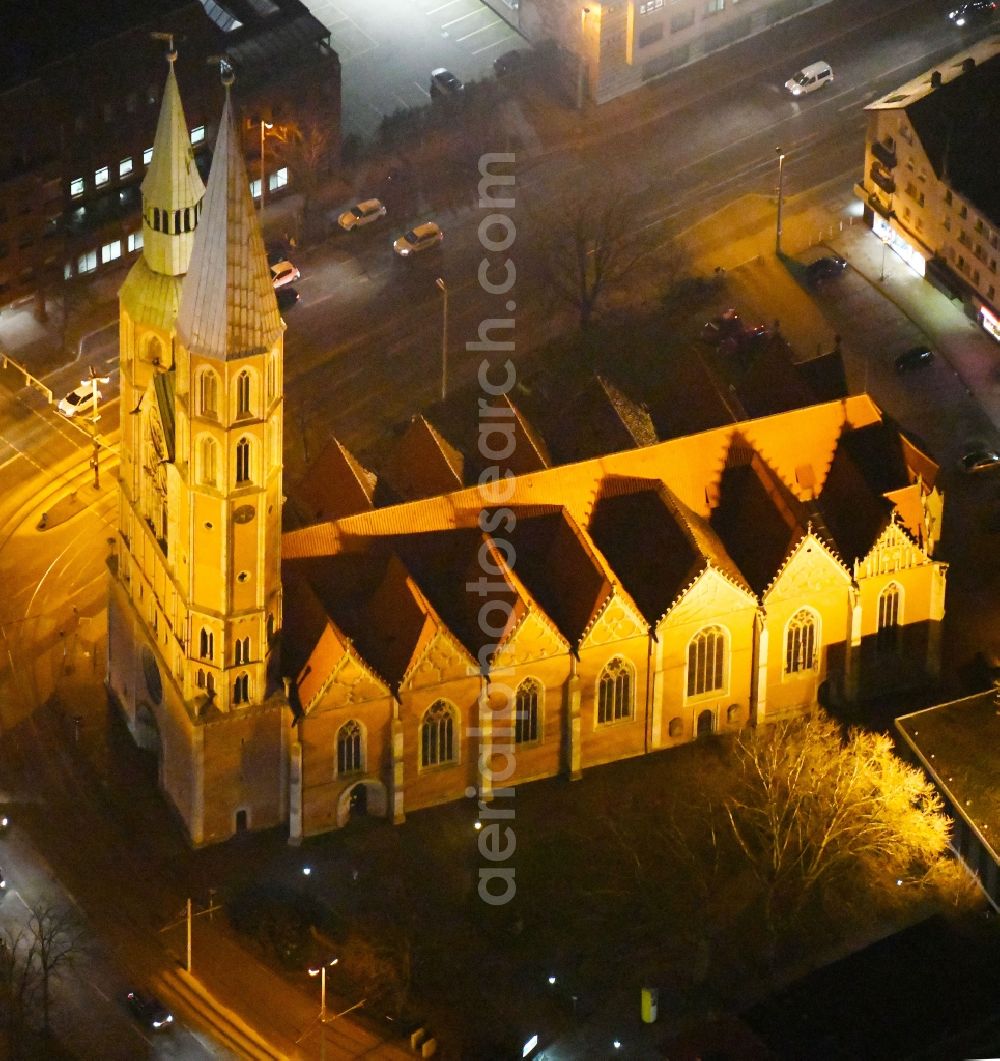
column 706, row 661
column 278, row 179
column 526, row 711
column 125, row 167
column 135, row 241
column 147, row 156
column 101, row 176
column 255, row 189
column 437, row 733
column 197, row 134
column 76, row 187
column 615, row 692
column 87, row 263
column 68, row 271
column 800, row 643
column 350, row 753
column 111, row 251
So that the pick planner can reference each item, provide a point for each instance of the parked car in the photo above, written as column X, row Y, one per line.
column 973, row 13
column 79, row 400
column 725, row 326
column 823, row 269
column 284, row 273
column 445, row 83
column 362, row 214
column 3, row 882
column 809, row 78
column 915, row 357
column 980, row 460
column 419, row 238
column 508, row 63
column 287, row 297
column 149, row 1010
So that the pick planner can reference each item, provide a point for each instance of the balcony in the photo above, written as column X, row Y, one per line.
column 885, row 155
column 882, row 179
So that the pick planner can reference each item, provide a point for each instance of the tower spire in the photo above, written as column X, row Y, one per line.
column 228, row 309
column 172, row 189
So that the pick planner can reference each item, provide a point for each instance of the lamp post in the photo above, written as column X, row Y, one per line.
column 443, row 288
column 885, row 243
column 781, row 176
column 582, row 67
column 263, row 178
column 321, row 973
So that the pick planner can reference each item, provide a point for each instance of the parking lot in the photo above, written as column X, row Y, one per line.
column 388, row 50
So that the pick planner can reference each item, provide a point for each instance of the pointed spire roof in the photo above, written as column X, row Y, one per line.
column 172, row 181
column 228, row 309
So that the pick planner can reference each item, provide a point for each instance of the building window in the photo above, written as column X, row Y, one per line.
column 208, row 393
column 526, row 712
column 733, row 713
column 800, row 643
column 241, row 650
column 76, row 187
column 706, row 661
column 147, row 156
column 255, row 188
column 87, row 263
column 243, row 461
column 278, row 179
column 650, row 35
column 241, row 689
column 208, row 461
column 125, row 167
column 713, row 7
column 615, row 692
column 111, row 251
column 888, row 609
column 652, row 5
column 198, row 134
column 243, row 394
column 676, row 727
column 101, row 176
column 134, row 241
column 206, row 644
column 350, row 757
column 437, row 732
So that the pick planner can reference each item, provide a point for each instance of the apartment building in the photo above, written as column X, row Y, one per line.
column 930, row 188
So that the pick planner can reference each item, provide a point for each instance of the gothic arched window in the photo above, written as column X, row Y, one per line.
column 526, row 711
column 243, row 394
column 206, row 644
column 800, row 643
column 437, row 735
column 243, row 461
column 706, row 661
column 888, row 607
column 208, row 393
column 208, row 461
column 241, row 650
column 241, row 689
column 615, row 691
column 350, row 748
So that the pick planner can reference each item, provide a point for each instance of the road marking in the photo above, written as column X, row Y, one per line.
column 482, row 29
column 441, row 7
column 503, row 40
column 469, row 14
column 422, row 89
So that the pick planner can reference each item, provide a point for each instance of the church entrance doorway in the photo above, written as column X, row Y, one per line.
column 362, row 800
column 241, row 822
column 706, row 724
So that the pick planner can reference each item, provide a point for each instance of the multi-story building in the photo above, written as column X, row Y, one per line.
column 622, row 44
column 930, row 187
column 77, row 109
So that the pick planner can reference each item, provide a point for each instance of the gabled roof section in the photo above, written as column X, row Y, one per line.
column 530, row 453
column 655, row 545
column 228, row 309
column 757, row 518
column 336, row 485
column 422, row 463
column 770, row 384
column 600, row 419
column 163, row 389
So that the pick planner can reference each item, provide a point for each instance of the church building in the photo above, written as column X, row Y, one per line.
column 457, row 640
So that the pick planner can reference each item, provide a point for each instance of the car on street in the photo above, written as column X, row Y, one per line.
column 284, row 272
column 4, row 822
column 362, row 214
column 915, row 357
column 79, row 400
column 149, row 1010
column 809, row 79
column 823, row 269
column 287, row 297
column 726, row 326
column 980, row 460
column 508, row 63
column 3, row 882
column 445, row 83
column 974, row 13
column 417, row 239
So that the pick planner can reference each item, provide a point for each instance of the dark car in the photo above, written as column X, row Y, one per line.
column 726, row 326
column 445, row 83
column 915, row 357
column 149, row 1010
column 287, row 297
column 825, row 269
column 973, row 13
column 508, row 63
column 980, row 460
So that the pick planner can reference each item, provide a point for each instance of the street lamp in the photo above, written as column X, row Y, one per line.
column 781, row 175
column 582, row 67
column 321, row 973
column 885, row 243
column 263, row 178
column 443, row 288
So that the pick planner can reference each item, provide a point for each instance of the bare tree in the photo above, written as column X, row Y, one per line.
column 816, row 809
column 57, row 943
column 18, row 982
column 306, row 145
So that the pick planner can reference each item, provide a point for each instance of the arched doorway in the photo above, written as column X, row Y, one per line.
column 242, row 821
column 362, row 799
column 706, row 723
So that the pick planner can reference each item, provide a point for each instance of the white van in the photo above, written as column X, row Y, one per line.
column 809, row 78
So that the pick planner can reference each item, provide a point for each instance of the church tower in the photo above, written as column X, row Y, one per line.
column 196, row 603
